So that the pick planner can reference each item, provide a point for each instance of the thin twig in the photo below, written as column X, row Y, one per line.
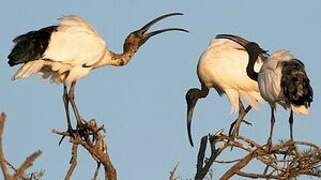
column 73, row 161
column 97, row 148
column 172, row 174
column 19, row 172
column 282, row 161
column 242, row 163
column 3, row 161
column 27, row 163
column 96, row 171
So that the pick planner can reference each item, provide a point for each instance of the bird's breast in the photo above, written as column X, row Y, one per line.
column 226, row 68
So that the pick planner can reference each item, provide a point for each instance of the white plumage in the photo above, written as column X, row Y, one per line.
column 225, row 66
column 74, row 44
column 68, row 52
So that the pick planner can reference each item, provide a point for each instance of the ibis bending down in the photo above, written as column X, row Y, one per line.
column 225, row 66
column 283, row 80
column 68, row 52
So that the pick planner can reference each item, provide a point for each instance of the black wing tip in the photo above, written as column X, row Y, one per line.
column 11, row 63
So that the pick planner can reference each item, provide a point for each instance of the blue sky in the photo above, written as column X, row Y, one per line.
column 142, row 104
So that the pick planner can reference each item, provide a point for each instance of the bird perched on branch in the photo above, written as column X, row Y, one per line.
column 225, row 66
column 67, row 52
column 282, row 80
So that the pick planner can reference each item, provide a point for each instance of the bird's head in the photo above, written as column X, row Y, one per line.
column 191, row 100
column 137, row 38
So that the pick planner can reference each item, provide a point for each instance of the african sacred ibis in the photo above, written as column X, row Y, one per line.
column 68, row 52
column 225, row 66
column 282, row 80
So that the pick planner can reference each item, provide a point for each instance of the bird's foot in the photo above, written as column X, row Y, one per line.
column 292, row 148
column 70, row 132
column 269, row 145
column 235, row 128
column 247, row 122
column 84, row 130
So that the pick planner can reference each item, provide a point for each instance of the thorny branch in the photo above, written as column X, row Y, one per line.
column 282, row 161
column 19, row 173
column 93, row 141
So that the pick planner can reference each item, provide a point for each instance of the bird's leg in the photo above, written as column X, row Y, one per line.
column 235, row 126
column 291, row 124
column 292, row 148
column 71, row 96
column 66, row 105
column 269, row 142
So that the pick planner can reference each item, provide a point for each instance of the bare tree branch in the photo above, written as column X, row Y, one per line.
column 172, row 174
column 96, row 147
column 73, row 161
column 19, row 173
column 3, row 161
column 27, row 163
column 282, row 161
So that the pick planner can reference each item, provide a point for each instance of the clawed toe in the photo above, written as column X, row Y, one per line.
column 69, row 132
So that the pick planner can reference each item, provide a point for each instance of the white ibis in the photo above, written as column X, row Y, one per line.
column 68, row 52
column 283, row 80
column 225, row 66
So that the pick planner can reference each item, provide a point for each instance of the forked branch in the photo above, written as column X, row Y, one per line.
column 19, row 173
column 282, row 161
column 93, row 141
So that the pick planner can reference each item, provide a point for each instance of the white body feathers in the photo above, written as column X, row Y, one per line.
column 73, row 50
column 223, row 66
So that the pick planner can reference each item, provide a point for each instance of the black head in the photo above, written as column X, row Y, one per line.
column 191, row 100
column 137, row 38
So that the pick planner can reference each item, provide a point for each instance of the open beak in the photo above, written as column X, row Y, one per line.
column 143, row 31
column 190, row 110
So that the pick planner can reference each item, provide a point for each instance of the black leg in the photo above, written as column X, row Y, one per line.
column 291, row 124
column 66, row 104
column 269, row 143
column 235, row 126
column 73, row 104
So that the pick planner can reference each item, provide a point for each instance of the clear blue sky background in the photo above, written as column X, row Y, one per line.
column 142, row 104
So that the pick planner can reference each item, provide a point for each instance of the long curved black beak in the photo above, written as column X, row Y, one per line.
column 143, row 31
column 190, row 110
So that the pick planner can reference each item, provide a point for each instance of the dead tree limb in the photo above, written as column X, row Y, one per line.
column 91, row 139
column 73, row 161
column 19, row 173
column 282, row 161
column 172, row 174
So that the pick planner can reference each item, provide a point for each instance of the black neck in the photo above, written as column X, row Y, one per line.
column 250, row 66
column 203, row 92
